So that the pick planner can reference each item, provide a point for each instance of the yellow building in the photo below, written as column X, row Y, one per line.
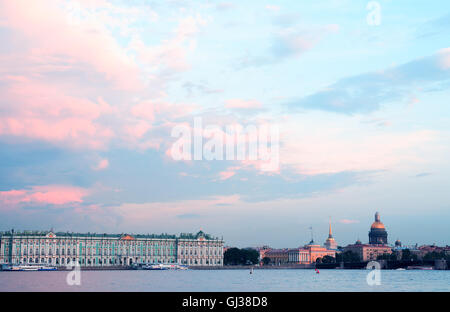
column 316, row 251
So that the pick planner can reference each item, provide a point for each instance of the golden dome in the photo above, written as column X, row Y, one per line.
column 377, row 225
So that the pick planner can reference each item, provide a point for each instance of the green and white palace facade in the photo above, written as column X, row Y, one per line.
column 62, row 249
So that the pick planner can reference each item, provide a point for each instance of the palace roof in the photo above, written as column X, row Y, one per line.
column 124, row 236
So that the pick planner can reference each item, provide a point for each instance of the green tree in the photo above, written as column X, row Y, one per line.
column 408, row 256
column 232, row 256
column 347, row 257
column 434, row 255
column 328, row 259
column 236, row 256
column 251, row 256
column 266, row 260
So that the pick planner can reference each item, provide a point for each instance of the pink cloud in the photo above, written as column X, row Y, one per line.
column 48, row 194
column 172, row 54
column 102, row 164
column 225, row 175
column 87, row 42
column 138, row 130
column 345, row 146
column 50, row 85
column 295, row 43
column 47, row 113
column 243, row 104
column 274, row 8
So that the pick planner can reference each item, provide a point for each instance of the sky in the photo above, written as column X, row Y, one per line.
column 92, row 90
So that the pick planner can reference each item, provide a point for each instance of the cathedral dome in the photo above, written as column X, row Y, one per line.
column 378, row 234
column 377, row 224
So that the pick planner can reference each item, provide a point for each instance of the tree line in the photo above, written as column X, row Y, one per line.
column 236, row 256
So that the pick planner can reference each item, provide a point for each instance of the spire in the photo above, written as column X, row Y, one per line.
column 377, row 217
column 330, row 235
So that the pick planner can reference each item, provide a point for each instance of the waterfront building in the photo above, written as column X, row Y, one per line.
column 262, row 252
column 316, row 251
column 302, row 255
column 368, row 252
column 299, row 256
column 87, row 249
column 423, row 250
column 278, row 256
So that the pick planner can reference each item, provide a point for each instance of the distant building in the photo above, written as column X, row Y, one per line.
column 87, row 249
column 302, row 255
column 330, row 243
column 316, row 251
column 377, row 243
column 368, row 252
column 424, row 249
column 262, row 251
column 378, row 234
column 278, row 256
column 299, row 256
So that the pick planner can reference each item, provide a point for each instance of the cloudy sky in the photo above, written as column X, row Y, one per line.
column 90, row 91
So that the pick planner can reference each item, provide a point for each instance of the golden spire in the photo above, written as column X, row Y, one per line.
column 330, row 235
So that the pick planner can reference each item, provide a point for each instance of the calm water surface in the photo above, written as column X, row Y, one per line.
column 227, row 280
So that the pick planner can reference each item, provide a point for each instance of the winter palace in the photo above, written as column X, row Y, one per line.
column 59, row 249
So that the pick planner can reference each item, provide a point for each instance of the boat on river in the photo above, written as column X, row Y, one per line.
column 29, row 267
column 161, row 266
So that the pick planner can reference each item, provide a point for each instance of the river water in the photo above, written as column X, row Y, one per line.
column 227, row 280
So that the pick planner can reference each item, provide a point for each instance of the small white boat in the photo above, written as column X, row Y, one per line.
column 29, row 267
column 47, row 268
column 155, row 267
column 162, row 266
column 418, row 267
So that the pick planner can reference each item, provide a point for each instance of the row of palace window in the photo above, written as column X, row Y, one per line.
column 82, row 261
column 99, row 251
column 97, row 243
column 103, row 247
column 208, row 251
column 106, row 244
column 201, row 261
